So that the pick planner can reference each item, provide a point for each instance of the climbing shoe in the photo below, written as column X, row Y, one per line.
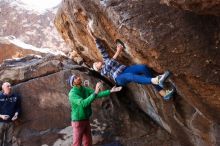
column 169, row 94
column 162, row 78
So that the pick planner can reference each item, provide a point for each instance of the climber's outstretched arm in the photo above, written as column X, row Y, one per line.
column 102, row 49
column 118, row 51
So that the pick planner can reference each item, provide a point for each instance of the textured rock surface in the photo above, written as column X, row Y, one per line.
column 9, row 50
column 45, row 119
column 30, row 26
column 200, row 7
column 164, row 38
column 11, row 47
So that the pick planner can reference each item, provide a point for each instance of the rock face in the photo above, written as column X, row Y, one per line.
column 10, row 48
column 8, row 51
column 30, row 26
column 45, row 120
column 163, row 38
column 201, row 7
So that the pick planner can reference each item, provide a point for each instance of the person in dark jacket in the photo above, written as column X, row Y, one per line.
column 9, row 112
column 81, row 98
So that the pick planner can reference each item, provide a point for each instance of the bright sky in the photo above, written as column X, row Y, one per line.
column 41, row 4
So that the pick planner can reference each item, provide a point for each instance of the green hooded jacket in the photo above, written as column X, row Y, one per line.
column 80, row 100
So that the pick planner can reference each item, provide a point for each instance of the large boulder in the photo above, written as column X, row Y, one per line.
column 45, row 119
column 163, row 38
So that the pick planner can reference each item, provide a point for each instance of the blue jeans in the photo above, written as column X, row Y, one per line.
column 136, row 73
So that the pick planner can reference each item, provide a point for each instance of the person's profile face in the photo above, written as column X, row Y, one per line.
column 86, row 83
column 6, row 87
column 98, row 65
column 77, row 80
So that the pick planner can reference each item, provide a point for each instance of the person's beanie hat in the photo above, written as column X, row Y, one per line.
column 71, row 79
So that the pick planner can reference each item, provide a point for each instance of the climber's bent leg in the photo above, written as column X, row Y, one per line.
column 126, row 78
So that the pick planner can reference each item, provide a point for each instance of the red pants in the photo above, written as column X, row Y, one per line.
column 82, row 133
